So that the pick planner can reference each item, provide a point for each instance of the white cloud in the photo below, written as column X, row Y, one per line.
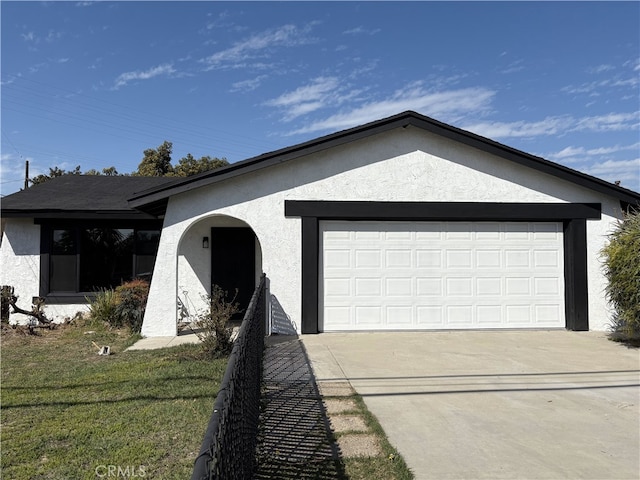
column 258, row 45
column 321, row 92
column 123, row 79
column 12, row 170
column 439, row 104
column 361, row 31
column 513, row 67
column 575, row 154
column 558, row 125
column 609, row 122
column 29, row 37
column 248, row 85
column 600, row 69
column 627, row 172
column 548, row 126
column 634, row 64
column 315, row 90
column 53, row 36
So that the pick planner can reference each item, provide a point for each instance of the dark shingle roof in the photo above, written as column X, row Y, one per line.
column 155, row 199
column 80, row 196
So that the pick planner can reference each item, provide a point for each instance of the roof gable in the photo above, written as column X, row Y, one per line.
column 155, row 199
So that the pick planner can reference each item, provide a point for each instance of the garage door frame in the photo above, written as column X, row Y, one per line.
column 573, row 216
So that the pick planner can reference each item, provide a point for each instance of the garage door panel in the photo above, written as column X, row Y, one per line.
column 488, row 258
column 370, row 316
column 546, row 286
column 458, row 259
column 368, row 287
column 440, row 275
column 368, row 258
column 397, row 258
column 548, row 314
column 399, row 287
column 399, row 316
column 429, row 287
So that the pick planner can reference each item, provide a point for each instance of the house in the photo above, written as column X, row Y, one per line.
column 404, row 223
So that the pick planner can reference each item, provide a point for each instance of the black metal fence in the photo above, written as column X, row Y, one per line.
column 228, row 448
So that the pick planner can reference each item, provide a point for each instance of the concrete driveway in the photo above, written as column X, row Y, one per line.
column 507, row 404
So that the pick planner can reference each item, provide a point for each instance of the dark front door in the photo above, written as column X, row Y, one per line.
column 233, row 259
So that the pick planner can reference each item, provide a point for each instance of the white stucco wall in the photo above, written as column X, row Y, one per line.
column 20, row 268
column 403, row 165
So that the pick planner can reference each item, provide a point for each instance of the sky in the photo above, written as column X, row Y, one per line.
column 96, row 83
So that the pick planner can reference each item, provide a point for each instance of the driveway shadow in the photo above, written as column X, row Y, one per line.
column 294, row 437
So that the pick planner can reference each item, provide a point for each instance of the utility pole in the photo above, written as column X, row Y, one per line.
column 26, row 174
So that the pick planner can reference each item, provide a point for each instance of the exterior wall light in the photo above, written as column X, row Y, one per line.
column 205, row 242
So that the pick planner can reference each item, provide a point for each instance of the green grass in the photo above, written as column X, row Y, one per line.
column 67, row 411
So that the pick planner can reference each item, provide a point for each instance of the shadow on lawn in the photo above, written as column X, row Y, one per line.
column 294, row 437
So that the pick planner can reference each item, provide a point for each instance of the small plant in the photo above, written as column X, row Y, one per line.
column 622, row 269
column 103, row 307
column 212, row 327
column 122, row 307
column 131, row 298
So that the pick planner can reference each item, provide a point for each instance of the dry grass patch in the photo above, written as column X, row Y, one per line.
column 67, row 411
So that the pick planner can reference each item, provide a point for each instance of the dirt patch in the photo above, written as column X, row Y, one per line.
column 339, row 405
column 335, row 389
column 359, row 445
column 347, row 423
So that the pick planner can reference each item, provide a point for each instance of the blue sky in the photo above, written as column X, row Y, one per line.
column 96, row 83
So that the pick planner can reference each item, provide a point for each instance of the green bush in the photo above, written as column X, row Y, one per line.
column 131, row 303
column 622, row 269
column 122, row 307
column 212, row 327
column 103, row 307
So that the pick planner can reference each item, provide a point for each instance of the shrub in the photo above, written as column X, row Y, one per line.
column 212, row 327
column 103, row 307
column 122, row 307
column 622, row 269
column 131, row 298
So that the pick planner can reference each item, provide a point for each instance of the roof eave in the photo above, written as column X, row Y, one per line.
column 160, row 195
column 79, row 214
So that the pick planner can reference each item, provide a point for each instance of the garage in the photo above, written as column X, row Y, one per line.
column 387, row 275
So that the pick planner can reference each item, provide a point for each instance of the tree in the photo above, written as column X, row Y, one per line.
column 108, row 172
column 188, row 165
column 156, row 161
column 54, row 172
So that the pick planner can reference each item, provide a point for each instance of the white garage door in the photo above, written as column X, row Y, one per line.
column 440, row 275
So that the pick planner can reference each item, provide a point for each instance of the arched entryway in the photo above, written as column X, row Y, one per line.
column 220, row 250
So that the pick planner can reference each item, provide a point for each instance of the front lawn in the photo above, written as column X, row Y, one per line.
column 67, row 412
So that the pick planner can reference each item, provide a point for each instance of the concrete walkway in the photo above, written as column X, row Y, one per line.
column 491, row 405
column 151, row 343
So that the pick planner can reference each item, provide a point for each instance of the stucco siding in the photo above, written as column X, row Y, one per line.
column 20, row 268
column 402, row 165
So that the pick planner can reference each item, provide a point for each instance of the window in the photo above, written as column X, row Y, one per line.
column 79, row 259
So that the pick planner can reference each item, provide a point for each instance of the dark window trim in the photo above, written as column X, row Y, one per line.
column 47, row 225
column 572, row 215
